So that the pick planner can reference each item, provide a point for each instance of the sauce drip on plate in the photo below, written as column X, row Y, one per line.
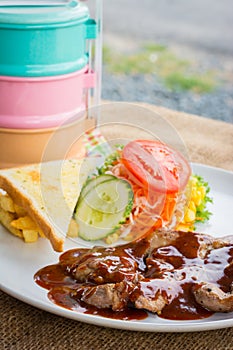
column 171, row 270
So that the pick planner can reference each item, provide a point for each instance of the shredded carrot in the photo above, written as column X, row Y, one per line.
column 149, row 212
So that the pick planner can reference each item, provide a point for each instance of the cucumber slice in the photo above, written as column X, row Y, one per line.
column 91, row 183
column 104, row 208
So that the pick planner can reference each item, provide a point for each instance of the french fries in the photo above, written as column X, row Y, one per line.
column 6, row 219
column 16, row 220
column 24, row 223
column 19, row 211
column 7, row 203
column 30, row 235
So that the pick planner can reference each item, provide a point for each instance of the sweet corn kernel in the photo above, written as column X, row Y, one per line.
column 203, row 191
column 192, row 206
column 129, row 237
column 189, row 216
column 112, row 238
column 194, row 181
column 197, row 195
column 198, row 199
column 193, row 192
column 184, row 227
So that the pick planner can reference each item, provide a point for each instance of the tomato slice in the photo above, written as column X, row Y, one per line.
column 157, row 166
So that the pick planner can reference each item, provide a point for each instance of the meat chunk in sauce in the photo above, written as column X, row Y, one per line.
column 121, row 263
column 176, row 274
column 213, row 298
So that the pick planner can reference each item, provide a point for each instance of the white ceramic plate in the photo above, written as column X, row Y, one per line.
column 19, row 262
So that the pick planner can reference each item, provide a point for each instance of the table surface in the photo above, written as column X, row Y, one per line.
column 23, row 327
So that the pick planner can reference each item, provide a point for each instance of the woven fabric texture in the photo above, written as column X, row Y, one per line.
column 23, row 327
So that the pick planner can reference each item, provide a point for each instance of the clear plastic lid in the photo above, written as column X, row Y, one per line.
column 42, row 11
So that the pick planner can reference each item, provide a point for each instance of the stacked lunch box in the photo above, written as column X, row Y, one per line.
column 45, row 75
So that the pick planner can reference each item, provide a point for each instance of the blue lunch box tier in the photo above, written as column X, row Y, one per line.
column 44, row 40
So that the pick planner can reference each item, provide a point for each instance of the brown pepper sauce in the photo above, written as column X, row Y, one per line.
column 171, row 271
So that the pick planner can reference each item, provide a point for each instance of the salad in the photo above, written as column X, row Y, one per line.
column 142, row 186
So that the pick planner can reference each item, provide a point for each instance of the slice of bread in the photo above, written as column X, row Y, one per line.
column 48, row 193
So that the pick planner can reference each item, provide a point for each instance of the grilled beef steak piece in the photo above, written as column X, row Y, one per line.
column 213, row 298
column 111, row 295
column 120, row 263
column 158, row 272
column 178, row 275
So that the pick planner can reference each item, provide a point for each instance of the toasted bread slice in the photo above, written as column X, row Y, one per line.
column 47, row 193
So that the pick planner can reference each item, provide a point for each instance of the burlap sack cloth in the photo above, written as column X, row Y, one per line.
column 23, row 327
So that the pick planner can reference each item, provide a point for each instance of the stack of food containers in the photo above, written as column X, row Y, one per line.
column 45, row 77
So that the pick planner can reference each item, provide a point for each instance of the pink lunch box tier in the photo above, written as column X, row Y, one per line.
column 43, row 102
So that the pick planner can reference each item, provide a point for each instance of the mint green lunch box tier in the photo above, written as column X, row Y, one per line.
column 44, row 41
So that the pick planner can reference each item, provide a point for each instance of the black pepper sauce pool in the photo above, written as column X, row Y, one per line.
column 61, row 285
column 171, row 271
